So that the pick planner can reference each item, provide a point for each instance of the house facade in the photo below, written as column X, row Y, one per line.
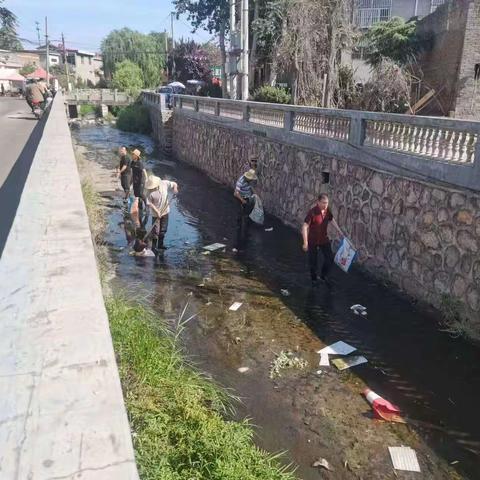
column 452, row 66
column 87, row 66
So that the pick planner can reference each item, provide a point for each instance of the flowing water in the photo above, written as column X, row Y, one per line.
column 433, row 378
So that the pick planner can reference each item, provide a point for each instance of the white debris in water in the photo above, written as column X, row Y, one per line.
column 269, row 229
column 214, row 246
column 285, row 292
column 243, row 369
column 235, row 306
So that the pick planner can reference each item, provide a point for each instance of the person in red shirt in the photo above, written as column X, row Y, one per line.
column 315, row 238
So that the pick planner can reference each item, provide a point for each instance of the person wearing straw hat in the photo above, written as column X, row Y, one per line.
column 139, row 176
column 244, row 194
column 159, row 203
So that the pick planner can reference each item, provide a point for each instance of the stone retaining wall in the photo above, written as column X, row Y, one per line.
column 422, row 236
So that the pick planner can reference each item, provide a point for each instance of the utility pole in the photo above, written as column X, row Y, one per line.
column 173, row 46
column 233, row 59
column 38, row 34
column 166, row 52
column 244, row 27
column 47, row 51
column 65, row 63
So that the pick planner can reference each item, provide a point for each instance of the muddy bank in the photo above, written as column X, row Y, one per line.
column 434, row 379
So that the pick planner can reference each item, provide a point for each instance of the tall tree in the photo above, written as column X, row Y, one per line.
column 8, row 34
column 146, row 51
column 213, row 15
column 313, row 35
column 396, row 40
column 127, row 77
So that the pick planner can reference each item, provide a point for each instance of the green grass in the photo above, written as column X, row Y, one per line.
column 97, row 222
column 179, row 418
column 88, row 109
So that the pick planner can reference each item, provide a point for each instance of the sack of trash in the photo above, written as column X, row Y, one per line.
column 345, row 255
column 257, row 214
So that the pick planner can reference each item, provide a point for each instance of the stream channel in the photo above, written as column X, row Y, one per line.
column 433, row 378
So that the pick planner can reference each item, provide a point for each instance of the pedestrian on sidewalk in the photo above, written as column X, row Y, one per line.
column 124, row 171
column 139, row 177
column 244, row 194
column 159, row 203
column 316, row 241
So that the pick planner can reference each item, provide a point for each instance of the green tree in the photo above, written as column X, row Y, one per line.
column 212, row 15
column 145, row 51
column 396, row 40
column 27, row 69
column 8, row 34
column 127, row 77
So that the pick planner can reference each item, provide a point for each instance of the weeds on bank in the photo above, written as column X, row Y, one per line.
column 455, row 321
column 177, row 415
column 97, row 222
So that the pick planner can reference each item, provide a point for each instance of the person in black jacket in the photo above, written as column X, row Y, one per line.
column 124, row 171
column 139, row 176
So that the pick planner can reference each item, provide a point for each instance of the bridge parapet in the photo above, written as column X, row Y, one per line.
column 100, row 96
column 443, row 149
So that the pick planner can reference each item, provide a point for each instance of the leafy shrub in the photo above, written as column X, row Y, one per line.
column 134, row 118
column 89, row 110
column 271, row 94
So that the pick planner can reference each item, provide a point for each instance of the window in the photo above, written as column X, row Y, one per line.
column 83, row 59
column 369, row 12
column 434, row 4
column 53, row 60
column 89, row 60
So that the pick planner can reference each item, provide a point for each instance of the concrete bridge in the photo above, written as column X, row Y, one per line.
column 406, row 189
column 99, row 97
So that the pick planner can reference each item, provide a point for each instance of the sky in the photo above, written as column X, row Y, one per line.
column 86, row 22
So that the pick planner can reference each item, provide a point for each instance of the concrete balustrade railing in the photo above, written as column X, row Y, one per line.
column 96, row 95
column 431, row 145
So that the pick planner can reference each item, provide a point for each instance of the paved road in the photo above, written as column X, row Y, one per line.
column 20, row 133
column 16, row 125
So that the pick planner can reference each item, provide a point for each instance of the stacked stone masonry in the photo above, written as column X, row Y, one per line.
column 423, row 237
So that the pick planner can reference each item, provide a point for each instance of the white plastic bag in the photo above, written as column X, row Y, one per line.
column 345, row 255
column 257, row 213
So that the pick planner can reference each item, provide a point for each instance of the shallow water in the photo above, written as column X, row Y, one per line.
column 433, row 378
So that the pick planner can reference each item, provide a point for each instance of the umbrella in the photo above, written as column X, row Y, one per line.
column 39, row 73
column 176, row 85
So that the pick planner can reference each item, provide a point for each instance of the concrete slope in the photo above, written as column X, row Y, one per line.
column 61, row 410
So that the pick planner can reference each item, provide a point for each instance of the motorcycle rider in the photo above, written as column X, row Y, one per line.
column 34, row 94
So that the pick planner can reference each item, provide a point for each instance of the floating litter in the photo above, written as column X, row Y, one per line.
column 243, row 369
column 235, row 306
column 214, row 246
column 404, row 458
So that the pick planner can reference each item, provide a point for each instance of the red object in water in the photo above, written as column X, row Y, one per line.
column 382, row 408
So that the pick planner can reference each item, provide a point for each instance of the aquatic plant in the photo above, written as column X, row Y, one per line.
column 286, row 359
